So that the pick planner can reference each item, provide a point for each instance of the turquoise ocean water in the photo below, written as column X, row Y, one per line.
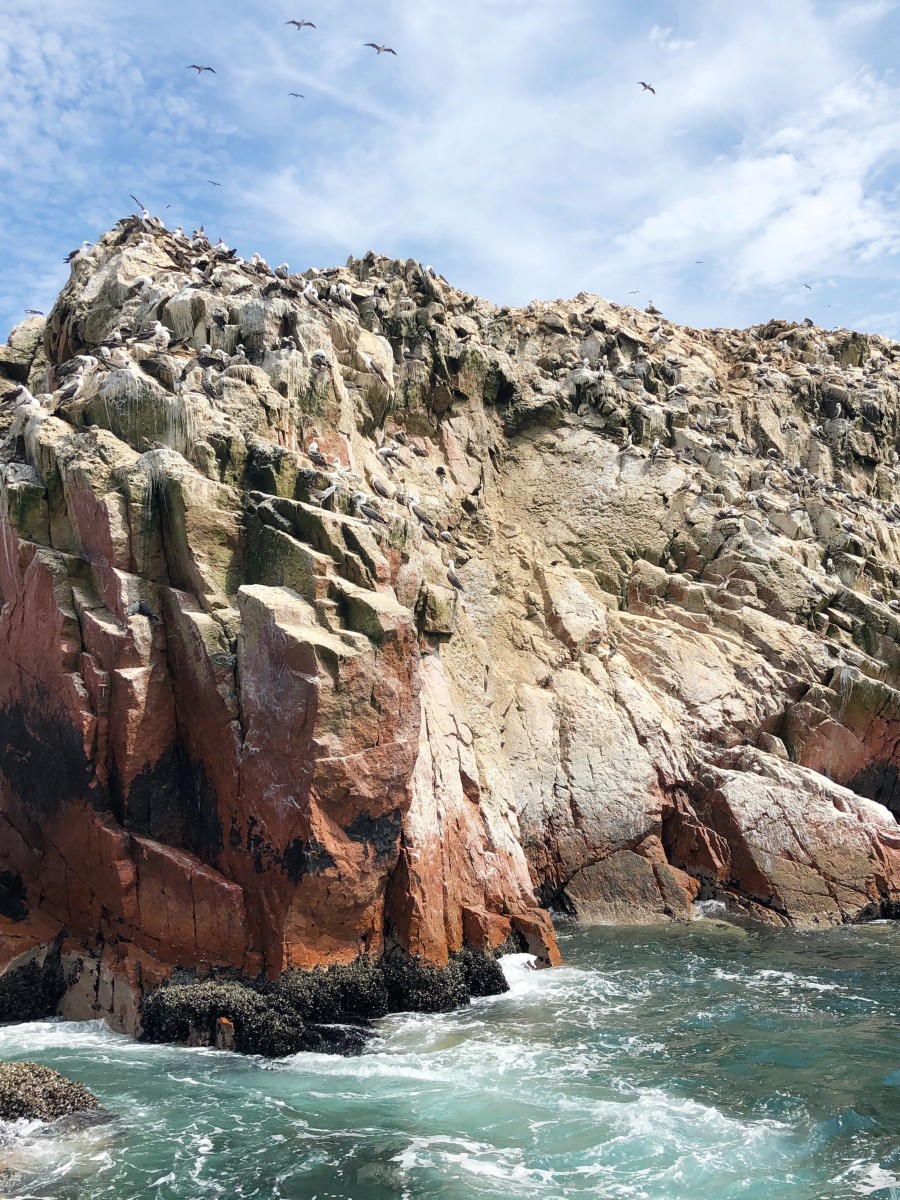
column 707, row 1062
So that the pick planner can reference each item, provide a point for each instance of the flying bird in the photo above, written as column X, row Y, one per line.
column 297, row 95
column 213, row 182
column 34, row 312
column 647, row 87
column 808, row 288
column 196, row 67
column 381, row 49
column 301, row 24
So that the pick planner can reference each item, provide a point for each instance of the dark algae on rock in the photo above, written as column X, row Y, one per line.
column 36, row 1093
column 324, row 1010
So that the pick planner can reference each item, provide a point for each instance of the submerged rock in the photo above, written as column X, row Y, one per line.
column 35, row 1093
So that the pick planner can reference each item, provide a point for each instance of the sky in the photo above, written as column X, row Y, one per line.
column 508, row 144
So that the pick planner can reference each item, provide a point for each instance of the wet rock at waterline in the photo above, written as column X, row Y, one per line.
column 31, row 1092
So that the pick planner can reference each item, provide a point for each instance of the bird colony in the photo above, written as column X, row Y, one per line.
column 623, row 597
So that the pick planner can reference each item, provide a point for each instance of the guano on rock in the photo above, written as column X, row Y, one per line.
column 250, row 726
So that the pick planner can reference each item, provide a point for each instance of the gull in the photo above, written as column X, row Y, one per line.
column 381, row 49
column 322, row 496
column 375, row 369
column 647, row 87
column 196, row 67
column 73, row 254
column 301, row 24
column 453, row 577
column 412, row 503
column 360, row 501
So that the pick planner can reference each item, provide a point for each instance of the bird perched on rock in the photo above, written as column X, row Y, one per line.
column 376, row 369
column 362, row 506
column 322, row 496
column 453, row 578
column 142, row 608
column 316, row 455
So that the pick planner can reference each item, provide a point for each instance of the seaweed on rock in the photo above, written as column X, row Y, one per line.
column 324, row 1010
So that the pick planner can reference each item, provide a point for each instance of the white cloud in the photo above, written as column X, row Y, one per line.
column 512, row 150
column 666, row 39
column 858, row 14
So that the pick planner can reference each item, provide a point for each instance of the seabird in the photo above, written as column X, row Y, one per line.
column 371, row 514
column 213, row 182
column 381, row 49
column 196, row 67
column 380, row 488
column 453, row 577
column 376, row 369
column 297, row 95
column 647, row 87
column 316, row 455
column 142, row 608
column 20, row 394
column 321, row 497
column 34, row 312
column 419, row 513
column 301, row 24
column 652, row 310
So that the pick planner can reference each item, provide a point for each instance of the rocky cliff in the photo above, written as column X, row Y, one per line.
column 347, row 617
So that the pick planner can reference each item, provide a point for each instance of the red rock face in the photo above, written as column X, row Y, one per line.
column 249, row 720
column 234, row 773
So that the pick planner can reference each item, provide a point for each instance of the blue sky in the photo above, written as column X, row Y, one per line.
column 508, row 144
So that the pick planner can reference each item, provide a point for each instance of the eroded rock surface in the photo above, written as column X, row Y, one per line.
column 248, row 721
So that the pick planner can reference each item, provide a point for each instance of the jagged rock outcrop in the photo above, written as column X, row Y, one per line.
column 247, row 723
